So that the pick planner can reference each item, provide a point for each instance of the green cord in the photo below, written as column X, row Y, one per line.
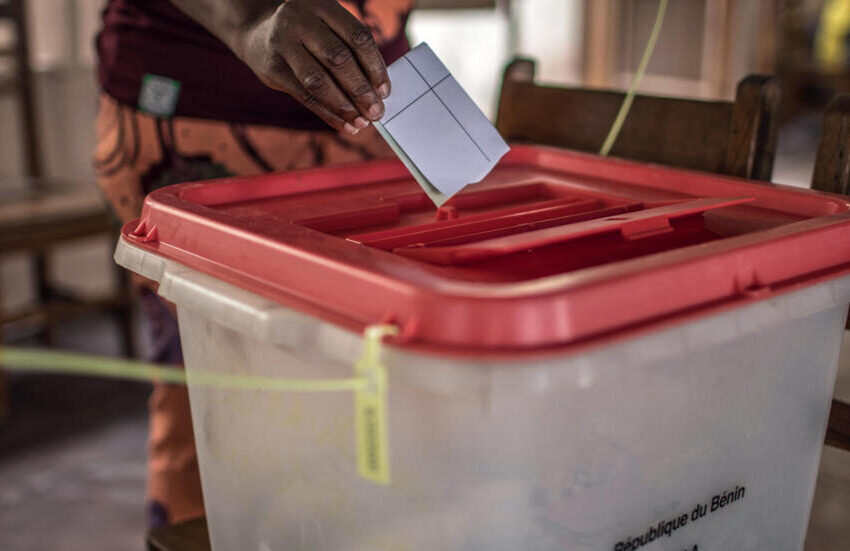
column 25, row 359
column 638, row 77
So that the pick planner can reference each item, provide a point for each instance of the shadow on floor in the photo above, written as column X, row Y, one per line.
column 48, row 409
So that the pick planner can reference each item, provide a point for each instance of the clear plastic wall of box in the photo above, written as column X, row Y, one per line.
column 719, row 420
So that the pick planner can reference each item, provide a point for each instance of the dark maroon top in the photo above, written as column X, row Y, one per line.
column 142, row 37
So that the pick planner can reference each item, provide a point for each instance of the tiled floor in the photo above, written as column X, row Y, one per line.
column 80, row 494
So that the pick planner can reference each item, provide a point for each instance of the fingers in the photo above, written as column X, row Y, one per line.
column 340, row 61
column 316, row 80
column 361, row 42
column 319, row 53
column 315, row 89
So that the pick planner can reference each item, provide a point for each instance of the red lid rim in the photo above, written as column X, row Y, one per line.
column 181, row 222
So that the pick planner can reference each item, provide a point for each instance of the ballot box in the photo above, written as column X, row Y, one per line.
column 588, row 354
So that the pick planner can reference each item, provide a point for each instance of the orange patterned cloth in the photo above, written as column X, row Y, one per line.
column 137, row 153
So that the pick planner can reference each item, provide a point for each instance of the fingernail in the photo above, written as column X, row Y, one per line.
column 384, row 91
column 350, row 129
column 376, row 111
column 361, row 123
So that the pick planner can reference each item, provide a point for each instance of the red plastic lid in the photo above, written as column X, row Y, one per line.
column 552, row 248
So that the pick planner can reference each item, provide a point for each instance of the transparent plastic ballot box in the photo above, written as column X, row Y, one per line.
column 588, row 354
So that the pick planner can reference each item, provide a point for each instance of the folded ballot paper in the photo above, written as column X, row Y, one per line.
column 435, row 128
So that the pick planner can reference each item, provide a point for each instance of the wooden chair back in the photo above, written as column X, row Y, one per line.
column 738, row 139
column 832, row 164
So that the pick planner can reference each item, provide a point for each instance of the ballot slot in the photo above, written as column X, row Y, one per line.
column 465, row 231
column 396, row 220
column 507, row 220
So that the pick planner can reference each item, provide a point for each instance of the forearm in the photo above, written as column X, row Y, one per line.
column 228, row 20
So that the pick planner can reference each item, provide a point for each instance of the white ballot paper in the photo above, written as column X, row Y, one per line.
column 435, row 128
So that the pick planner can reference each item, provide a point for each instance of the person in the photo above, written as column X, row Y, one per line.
column 198, row 89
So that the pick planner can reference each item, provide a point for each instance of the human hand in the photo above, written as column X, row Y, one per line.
column 321, row 55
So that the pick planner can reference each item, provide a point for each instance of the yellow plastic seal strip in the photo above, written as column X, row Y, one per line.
column 370, row 408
